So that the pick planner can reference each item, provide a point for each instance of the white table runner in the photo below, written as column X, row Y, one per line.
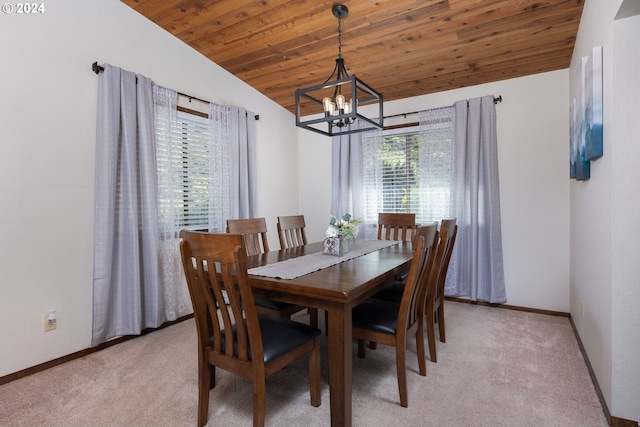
column 295, row 267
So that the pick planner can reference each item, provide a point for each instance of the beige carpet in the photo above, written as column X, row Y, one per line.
column 498, row 368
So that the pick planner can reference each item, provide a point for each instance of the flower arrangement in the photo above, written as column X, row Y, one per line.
column 345, row 227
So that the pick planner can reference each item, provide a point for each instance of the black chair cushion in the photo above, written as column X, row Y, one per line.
column 279, row 336
column 376, row 315
column 391, row 293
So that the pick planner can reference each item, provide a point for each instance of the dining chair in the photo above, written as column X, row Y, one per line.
column 254, row 234
column 396, row 226
column 390, row 323
column 291, row 235
column 254, row 231
column 435, row 296
column 434, row 309
column 231, row 334
column 291, row 231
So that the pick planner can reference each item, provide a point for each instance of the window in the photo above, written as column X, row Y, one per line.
column 186, row 163
column 400, row 161
column 416, row 169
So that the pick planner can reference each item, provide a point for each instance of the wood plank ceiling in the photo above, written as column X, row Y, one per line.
column 401, row 48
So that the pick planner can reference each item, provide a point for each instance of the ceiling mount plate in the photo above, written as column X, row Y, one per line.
column 340, row 11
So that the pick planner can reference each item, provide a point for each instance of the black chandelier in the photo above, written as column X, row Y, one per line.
column 339, row 114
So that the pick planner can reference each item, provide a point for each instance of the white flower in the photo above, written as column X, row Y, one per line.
column 331, row 231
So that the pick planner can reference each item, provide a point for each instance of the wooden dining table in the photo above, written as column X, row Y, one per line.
column 335, row 289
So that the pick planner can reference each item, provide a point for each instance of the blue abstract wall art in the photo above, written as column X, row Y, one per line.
column 585, row 133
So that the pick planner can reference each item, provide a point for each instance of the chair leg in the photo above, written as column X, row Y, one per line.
column 314, row 374
column 362, row 350
column 441, row 322
column 431, row 339
column 204, row 385
column 431, row 331
column 313, row 317
column 259, row 397
column 402, row 376
column 326, row 322
column 422, row 363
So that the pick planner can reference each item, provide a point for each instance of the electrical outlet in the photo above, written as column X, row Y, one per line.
column 49, row 325
column 50, row 321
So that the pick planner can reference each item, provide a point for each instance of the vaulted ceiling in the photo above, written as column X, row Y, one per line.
column 401, row 48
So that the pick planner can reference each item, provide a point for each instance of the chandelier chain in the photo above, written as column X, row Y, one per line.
column 339, row 38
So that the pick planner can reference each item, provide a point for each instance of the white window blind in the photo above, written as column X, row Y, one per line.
column 400, row 172
column 189, row 161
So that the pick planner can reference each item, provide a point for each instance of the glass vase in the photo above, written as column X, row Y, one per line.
column 344, row 246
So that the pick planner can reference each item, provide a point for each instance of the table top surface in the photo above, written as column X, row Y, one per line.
column 343, row 282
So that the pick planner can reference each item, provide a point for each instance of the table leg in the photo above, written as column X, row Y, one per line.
column 340, row 361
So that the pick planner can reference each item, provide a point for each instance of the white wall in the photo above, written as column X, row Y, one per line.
column 47, row 117
column 626, row 227
column 605, row 235
column 533, row 147
column 314, row 174
column 591, row 214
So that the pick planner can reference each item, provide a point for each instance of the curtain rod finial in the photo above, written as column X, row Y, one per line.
column 96, row 68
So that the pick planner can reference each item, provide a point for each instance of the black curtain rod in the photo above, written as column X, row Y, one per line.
column 193, row 97
column 257, row 116
column 496, row 99
column 98, row 69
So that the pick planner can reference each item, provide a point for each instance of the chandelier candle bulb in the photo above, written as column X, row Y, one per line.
column 326, row 102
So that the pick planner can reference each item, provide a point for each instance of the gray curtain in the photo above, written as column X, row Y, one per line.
column 127, row 295
column 352, row 155
column 242, row 149
column 136, row 258
column 476, row 269
column 479, row 272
